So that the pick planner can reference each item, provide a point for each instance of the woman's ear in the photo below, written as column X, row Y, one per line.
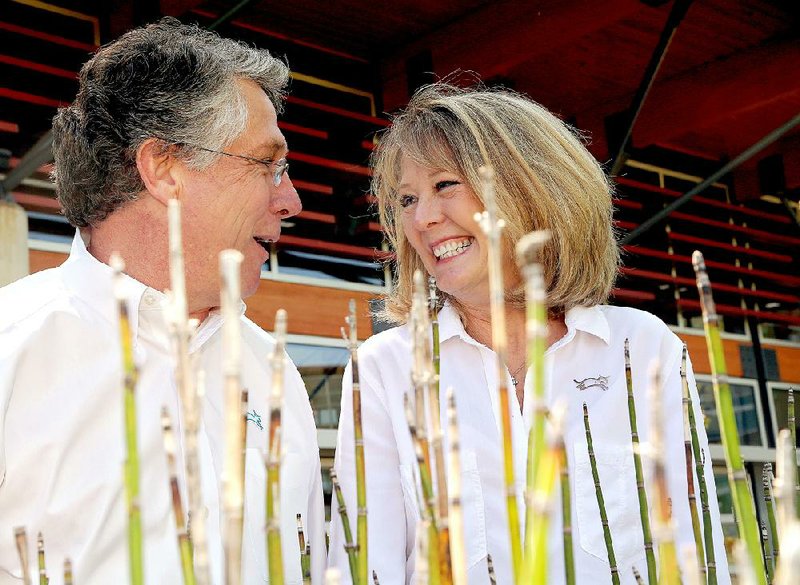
column 159, row 169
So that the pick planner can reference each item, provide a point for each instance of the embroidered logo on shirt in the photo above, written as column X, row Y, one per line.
column 586, row 383
column 255, row 418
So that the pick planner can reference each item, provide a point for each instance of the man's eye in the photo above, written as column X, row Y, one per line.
column 406, row 200
column 445, row 184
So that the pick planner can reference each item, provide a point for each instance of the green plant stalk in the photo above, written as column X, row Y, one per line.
column 549, row 467
column 612, row 559
column 768, row 559
column 67, row 571
column 492, row 226
column 769, row 504
column 708, row 532
column 566, row 516
column 687, row 449
column 743, row 505
column 534, row 558
column 274, row 552
column 349, row 546
column 43, row 580
column 793, row 431
column 641, row 492
column 305, row 552
column 135, row 548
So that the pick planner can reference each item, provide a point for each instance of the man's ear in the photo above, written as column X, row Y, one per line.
column 159, row 169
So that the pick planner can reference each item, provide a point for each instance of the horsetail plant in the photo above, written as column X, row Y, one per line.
column 769, row 504
column 21, row 540
column 743, row 504
column 130, row 375
column 273, row 460
column 305, row 552
column 43, row 580
column 349, row 546
column 644, row 511
column 612, row 559
column 457, row 552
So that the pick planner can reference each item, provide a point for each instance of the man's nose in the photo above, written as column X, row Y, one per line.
column 285, row 201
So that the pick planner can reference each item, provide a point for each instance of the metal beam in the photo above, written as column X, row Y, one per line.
column 679, row 9
column 700, row 187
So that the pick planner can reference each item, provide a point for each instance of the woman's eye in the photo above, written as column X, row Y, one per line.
column 445, row 184
column 406, row 200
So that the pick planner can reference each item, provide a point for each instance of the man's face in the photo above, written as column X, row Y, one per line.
column 234, row 203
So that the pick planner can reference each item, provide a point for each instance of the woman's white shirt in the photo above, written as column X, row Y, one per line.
column 586, row 365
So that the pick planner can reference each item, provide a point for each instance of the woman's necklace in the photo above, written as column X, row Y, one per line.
column 515, row 373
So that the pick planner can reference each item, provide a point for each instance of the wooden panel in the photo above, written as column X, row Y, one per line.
column 696, row 344
column 40, row 260
column 312, row 310
column 788, row 362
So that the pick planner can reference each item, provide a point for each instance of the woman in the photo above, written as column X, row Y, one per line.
column 428, row 190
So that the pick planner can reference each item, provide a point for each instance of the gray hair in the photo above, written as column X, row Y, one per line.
column 165, row 80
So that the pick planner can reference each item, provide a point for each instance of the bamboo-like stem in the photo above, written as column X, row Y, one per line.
column 490, row 568
column 375, row 580
column 744, row 568
column 40, row 558
column 789, row 567
column 528, row 253
column 784, row 483
column 421, row 566
column 768, row 558
column 305, row 552
column 351, row 337
column 644, row 509
column 273, row 502
column 566, row 515
column 21, row 540
column 130, row 378
column 333, row 576
column 793, row 431
column 457, row 551
column 235, row 415
column 637, row 576
column 663, row 526
column 184, row 545
column 67, row 571
column 688, row 450
column 432, row 367
column 349, row 546
column 769, row 504
column 612, row 559
column 190, row 389
column 492, row 226
column 708, row 531
column 743, row 504
column 692, row 574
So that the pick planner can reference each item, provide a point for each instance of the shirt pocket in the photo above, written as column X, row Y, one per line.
column 471, row 505
column 618, row 482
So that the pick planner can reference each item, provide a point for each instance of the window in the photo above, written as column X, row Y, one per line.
column 746, row 406
column 779, row 395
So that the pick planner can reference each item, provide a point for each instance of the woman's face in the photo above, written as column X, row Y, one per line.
column 437, row 210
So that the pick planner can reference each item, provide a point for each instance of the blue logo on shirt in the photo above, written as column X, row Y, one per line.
column 255, row 418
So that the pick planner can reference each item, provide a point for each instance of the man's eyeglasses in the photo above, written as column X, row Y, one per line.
column 280, row 166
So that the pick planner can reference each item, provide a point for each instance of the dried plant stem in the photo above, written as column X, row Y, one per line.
column 793, row 431
column 688, row 450
column 273, row 501
column 43, row 580
column 190, row 387
column 351, row 337
column 566, row 516
column 457, row 551
column 490, row 568
column 637, row 576
column 130, row 376
column 305, row 552
column 743, row 504
column 235, row 414
column 349, row 546
column 612, row 559
column 768, row 558
column 184, row 546
column 663, row 525
column 67, row 571
column 21, row 541
column 641, row 492
column 492, row 226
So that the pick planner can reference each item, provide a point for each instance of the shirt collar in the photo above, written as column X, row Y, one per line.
column 591, row 320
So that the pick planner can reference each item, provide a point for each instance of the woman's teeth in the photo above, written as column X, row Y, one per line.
column 451, row 248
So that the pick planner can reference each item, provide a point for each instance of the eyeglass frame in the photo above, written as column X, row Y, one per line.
column 281, row 165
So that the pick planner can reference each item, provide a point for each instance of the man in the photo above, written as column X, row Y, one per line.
column 166, row 111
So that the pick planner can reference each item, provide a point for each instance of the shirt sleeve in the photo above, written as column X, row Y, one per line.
column 672, row 406
column 388, row 551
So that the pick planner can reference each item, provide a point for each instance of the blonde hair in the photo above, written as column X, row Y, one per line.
column 545, row 179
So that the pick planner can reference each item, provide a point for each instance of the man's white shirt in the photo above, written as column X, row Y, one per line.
column 586, row 365
column 62, row 445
